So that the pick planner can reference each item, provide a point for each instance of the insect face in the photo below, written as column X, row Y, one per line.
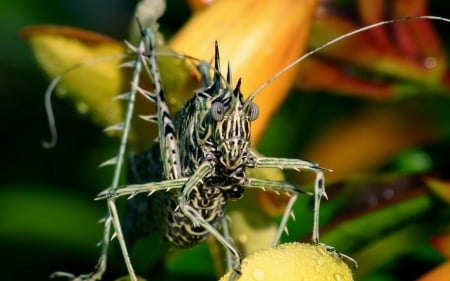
column 231, row 129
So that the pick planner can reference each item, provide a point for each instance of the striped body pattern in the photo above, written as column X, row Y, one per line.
column 199, row 163
column 214, row 127
column 180, row 187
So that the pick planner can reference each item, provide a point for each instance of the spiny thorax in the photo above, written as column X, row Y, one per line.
column 214, row 125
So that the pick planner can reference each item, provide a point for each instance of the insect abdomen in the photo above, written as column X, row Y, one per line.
column 160, row 213
column 180, row 230
column 143, row 213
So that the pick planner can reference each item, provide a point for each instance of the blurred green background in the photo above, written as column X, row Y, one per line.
column 47, row 213
column 46, row 205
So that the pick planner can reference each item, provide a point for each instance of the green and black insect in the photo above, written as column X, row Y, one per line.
column 206, row 149
column 180, row 187
column 199, row 163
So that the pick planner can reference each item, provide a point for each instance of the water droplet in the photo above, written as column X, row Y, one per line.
column 258, row 274
column 338, row 277
column 242, row 238
column 82, row 107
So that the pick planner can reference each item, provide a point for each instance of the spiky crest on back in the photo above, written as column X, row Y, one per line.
column 214, row 124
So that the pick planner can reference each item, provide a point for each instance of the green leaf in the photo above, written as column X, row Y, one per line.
column 47, row 214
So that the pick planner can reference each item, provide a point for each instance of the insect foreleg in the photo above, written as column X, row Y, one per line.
column 202, row 171
column 151, row 187
column 287, row 163
column 197, row 219
column 277, row 186
column 319, row 192
column 299, row 165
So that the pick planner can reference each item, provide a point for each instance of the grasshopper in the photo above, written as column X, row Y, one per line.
column 204, row 151
column 198, row 163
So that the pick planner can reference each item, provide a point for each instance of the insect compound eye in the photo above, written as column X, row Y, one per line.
column 253, row 111
column 217, row 111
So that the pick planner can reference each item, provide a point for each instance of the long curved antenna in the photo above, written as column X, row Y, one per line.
column 331, row 42
column 51, row 88
column 50, row 115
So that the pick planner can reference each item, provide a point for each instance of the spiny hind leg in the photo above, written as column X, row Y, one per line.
column 111, row 219
column 92, row 276
column 112, row 215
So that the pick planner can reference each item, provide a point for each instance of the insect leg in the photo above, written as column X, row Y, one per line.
column 284, row 220
column 150, row 188
column 113, row 214
column 169, row 149
column 227, row 236
column 204, row 70
column 112, row 218
column 300, row 165
column 319, row 192
column 278, row 187
column 197, row 218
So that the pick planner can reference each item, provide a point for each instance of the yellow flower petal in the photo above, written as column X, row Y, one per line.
column 92, row 87
column 293, row 261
